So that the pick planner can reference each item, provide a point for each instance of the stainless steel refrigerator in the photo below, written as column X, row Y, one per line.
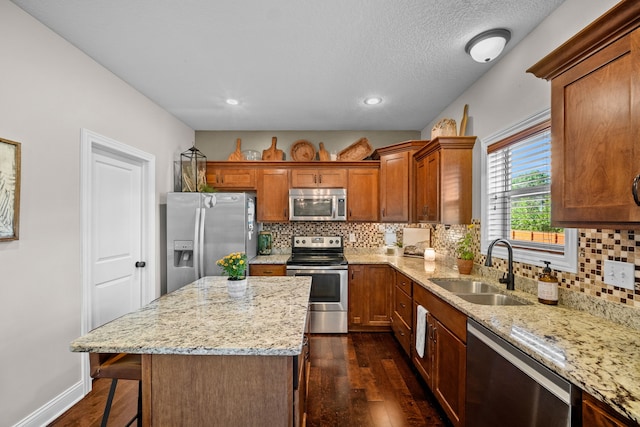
column 204, row 227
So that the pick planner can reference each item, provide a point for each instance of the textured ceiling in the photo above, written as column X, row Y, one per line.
column 292, row 64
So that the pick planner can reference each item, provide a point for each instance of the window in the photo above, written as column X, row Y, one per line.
column 517, row 185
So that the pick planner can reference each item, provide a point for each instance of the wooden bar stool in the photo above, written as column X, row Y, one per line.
column 117, row 366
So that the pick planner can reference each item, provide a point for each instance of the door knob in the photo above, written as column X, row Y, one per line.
column 140, row 264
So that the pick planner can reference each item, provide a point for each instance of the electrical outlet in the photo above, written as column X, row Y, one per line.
column 619, row 274
column 352, row 237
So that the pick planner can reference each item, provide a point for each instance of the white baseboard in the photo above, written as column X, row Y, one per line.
column 54, row 408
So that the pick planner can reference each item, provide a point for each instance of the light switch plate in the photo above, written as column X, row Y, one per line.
column 352, row 237
column 619, row 274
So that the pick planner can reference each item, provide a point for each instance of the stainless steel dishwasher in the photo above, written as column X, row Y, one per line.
column 506, row 387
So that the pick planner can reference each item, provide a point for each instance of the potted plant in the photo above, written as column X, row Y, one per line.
column 234, row 265
column 465, row 251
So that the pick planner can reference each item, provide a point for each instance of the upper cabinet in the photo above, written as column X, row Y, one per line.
column 397, row 193
column 272, row 198
column 444, row 180
column 318, row 178
column 362, row 194
column 227, row 175
column 595, row 122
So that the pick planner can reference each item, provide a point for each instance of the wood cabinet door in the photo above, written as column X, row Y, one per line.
column 237, row 178
column 449, row 379
column 335, row 177
column 421, row 191
column 394, row 187
column 370, row 289
column 363, row 195
column 595, row 125
column 242, row 178
column 423, row 364
column 357, row 296
column 432, row 187
column 304, row 178
column 272, row 198
column 319, row 178
column 379, row 283
column 599, row 414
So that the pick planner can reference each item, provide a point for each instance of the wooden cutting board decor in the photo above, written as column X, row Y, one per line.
column 236, row 156
column 323, row 154
column 273, row 153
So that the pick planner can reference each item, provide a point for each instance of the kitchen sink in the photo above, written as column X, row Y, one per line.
column 464, row 286
column 477, row 292
column 491, row 299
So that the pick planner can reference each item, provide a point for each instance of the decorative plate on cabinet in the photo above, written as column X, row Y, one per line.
column 303, row 151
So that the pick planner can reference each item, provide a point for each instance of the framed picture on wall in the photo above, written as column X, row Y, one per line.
column 9, row 189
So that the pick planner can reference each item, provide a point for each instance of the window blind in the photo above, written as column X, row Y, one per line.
column 518, row 188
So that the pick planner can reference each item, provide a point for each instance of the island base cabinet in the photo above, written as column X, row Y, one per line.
column 200, row 390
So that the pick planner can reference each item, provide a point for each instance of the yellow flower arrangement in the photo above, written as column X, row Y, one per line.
column 234, row 265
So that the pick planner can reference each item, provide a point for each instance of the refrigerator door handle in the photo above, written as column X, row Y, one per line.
column 201, row 244
column 196, row 246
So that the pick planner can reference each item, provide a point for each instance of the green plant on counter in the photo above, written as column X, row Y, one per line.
column 234, row 265
column 465, row 244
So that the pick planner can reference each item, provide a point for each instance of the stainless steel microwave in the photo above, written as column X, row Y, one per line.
column 317, row 204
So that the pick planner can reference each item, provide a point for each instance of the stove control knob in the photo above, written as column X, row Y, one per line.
column 331, row 242
column 297, row 241
column 304, row 241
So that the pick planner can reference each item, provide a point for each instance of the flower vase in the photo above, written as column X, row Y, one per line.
column 236, row 286
column 464, row 265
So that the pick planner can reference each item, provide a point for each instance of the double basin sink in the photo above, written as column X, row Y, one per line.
column 477, row 292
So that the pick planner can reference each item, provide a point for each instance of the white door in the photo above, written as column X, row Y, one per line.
column 116, row 224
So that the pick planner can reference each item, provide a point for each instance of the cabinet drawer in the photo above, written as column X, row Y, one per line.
column 267, row 270
column 404, row 283
column 402, row 305
column 401, row 332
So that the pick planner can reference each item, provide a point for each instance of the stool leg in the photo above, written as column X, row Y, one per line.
column 107, row 408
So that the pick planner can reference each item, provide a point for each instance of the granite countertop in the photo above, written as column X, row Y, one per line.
column 202, row 319
column 596, row 354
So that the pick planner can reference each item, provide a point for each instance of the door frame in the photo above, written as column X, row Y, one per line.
column 89, row 143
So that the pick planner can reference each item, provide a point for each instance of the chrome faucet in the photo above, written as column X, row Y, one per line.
column 509, row 279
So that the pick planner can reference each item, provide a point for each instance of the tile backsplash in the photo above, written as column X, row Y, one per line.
column 594, row 246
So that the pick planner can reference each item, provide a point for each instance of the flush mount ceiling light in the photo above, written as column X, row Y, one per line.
column 486, row 47
column 374, row 100
column 232, row 101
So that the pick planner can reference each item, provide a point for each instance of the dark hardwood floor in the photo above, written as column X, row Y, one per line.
column 358, row 379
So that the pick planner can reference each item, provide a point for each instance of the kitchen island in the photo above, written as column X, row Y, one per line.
column 209, row 359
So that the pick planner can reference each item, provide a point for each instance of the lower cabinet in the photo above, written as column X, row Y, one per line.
column 302, row 366
column 599, row 414
column 443, row 365
column 267, row 270
column 402, row 314
column 370, row 288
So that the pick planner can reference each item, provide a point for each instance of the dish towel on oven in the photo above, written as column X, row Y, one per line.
column 421, row 330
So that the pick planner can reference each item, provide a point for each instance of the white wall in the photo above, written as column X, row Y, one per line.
column 507, row 95
column 49, row 90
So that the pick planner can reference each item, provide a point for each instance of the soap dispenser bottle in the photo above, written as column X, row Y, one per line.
column 547, row 286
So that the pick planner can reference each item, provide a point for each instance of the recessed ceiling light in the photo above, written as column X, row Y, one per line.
column 232, row 101
column 374, row 100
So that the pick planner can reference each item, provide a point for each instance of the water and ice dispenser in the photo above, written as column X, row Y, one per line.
column 183, row 253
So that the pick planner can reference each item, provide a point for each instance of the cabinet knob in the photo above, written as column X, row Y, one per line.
column 320, row 179
column 634, row 189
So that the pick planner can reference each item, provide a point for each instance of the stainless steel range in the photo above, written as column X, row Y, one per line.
column 322, row 258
